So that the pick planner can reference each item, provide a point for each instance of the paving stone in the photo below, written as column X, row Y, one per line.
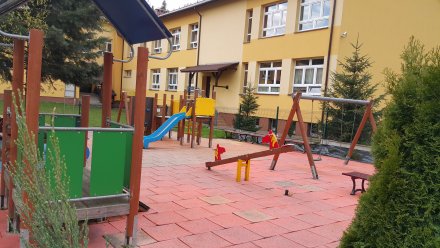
column 278, row 242
column 307, row 238
column 266, row 229
column 200, row 226
column 172, row 243
column 291, row 224
column 195, row 213
column 205, row 240
column 314, row 219
column 166, row 232
column 166, row 218
column 228, row 220
column 237, row 235
column 215, row 200
column 253, row 215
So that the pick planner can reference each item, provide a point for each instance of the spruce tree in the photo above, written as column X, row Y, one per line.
column 72, row 43
column 353, row 81
column 401, row 207
column 248, row 107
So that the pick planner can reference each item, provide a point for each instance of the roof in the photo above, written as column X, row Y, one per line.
column 199, row 3
column 211, row 67
column 134, row 20
column 8, row 5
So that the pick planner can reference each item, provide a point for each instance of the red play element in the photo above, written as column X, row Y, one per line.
column 218, row 152
column 271, row 138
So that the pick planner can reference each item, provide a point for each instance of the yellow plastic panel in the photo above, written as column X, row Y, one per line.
column 205, row 107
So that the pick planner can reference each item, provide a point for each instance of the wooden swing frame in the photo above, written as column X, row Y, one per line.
column 296, row 109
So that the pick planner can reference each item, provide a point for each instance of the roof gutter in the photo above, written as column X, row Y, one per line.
column 198, row 43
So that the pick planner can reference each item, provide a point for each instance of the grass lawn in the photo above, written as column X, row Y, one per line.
column 61, row 108
column 95, row 115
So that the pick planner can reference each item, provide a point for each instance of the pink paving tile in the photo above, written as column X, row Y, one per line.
column 143, row 222
column 314, row 219
column 334, row 215
column 307, row 238
column 245, row 245
column 343, row 201
column 205, row 240
column 119, row 224
column 228, row 220
column 165, row 197
column 172, row 243
column 192, row 203
column 215, row 200
column 195, row 213
column 166, row 232
column 291, row 224
column 237, row 235
column 253, row 215
column 199, row 226
column 185, row 195
column 332, row 231
column 245, row 205
column 278, row 242
column 220, row 209
column 266, row 229
column 165, row 206
column 165, row 218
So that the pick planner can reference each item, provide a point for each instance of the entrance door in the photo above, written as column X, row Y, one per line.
column 206, row 87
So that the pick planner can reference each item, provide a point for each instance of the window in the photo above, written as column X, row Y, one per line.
column 69, row 90
column 155, row 74
column 246, row 72
column 249, row 15
column 194, row 36
column 308, row 76
column 314, row 14
column 270, row 78
column 176, row 39
column 108, row 47
column 157, row 46
column 274, row 19
column 172, row 79
column 127, row 73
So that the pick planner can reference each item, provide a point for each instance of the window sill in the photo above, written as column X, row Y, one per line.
column 192, row 48
column 273, row 36
column 154, row 89
column 171, row 90
column 309, row 30
column 267, row 94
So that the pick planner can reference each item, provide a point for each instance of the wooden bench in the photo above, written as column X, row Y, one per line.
column 357, row 175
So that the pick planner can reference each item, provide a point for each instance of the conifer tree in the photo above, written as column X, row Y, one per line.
column 401, row 206
column 352, row 82
column 248, row 107
column 72, row 43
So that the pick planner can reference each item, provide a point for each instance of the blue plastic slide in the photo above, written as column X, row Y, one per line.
column 163, row 129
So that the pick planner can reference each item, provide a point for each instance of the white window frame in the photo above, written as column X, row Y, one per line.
column 128, row 73
column 265, row 84
column 314, row 21
column 303, row 78
column 249, row 15
column 269, row 15
column 194, row 29
column 155, row 79
column 108, row 46
column 246, row 73
column 157, row 46
column 173, row 79
column 69, row 90
column 176, row 39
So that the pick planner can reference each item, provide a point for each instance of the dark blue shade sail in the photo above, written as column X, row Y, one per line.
column 134, row 20
column 8, row 5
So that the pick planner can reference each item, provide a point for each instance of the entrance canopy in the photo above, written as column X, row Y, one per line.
column 214, row 68
column 134, row 19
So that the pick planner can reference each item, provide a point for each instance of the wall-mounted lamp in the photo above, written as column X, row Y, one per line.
column 344, row 34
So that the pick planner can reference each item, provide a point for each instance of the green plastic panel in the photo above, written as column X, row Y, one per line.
column 41, row 139
column 41, row 120
column 72, row 149
column 128, row 150
column 65, row 121
column 110, row 162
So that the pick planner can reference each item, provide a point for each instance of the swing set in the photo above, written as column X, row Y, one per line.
column 296, row 110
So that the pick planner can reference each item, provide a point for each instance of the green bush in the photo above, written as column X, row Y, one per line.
column 401, row 207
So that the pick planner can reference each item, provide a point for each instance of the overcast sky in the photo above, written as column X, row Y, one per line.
column 171, row 4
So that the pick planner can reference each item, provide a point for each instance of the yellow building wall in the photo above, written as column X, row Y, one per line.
column 384, row 28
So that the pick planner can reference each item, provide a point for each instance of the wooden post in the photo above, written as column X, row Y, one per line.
column 171, row 113
column 154, row 110
column 211, row 123
column 286, row 128
column 6, row 142
column 85, row 108
column 106, row 89
column 164, row 109
column 194, row 118
column 17, row 91
column 136, row 158
column 35, row 55
column 199, row 130
column 367, row 115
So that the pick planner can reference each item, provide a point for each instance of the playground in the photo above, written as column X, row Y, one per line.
column 191, row 206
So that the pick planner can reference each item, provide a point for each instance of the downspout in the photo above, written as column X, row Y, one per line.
column 122, row 70
column 198, row 45
column 330, row 44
